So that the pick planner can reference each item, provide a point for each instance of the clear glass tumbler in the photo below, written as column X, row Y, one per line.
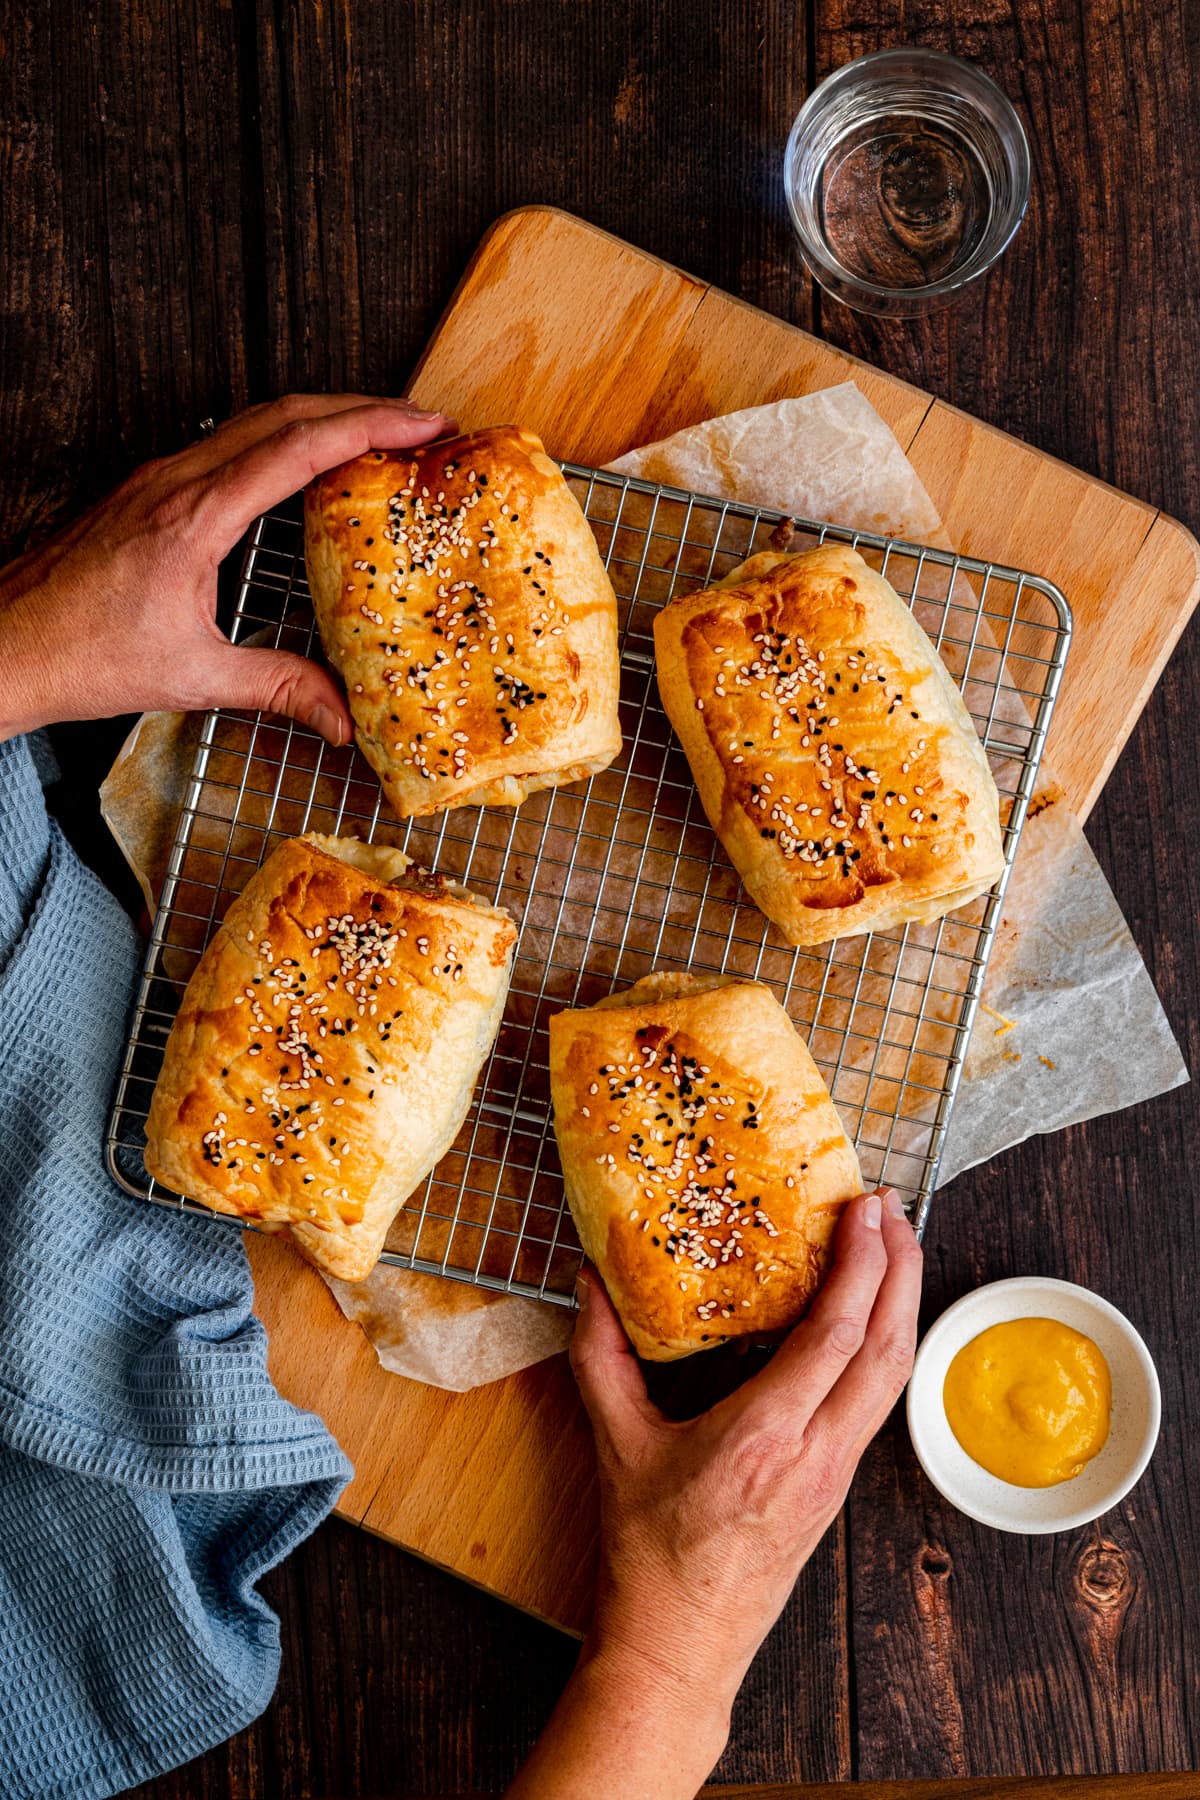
column 906, row 174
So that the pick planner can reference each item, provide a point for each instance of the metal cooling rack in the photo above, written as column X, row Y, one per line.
column 612, row 878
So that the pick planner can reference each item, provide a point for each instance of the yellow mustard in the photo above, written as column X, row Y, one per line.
column 1030, row 1401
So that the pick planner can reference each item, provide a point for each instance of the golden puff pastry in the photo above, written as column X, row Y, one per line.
column 461, row 597
column 705, row 1166
column 327, row 1045
column 832, row 751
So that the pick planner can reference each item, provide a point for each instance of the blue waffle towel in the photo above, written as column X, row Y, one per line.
column 149, row 1472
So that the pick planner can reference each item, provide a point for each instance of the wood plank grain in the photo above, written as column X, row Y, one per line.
column 1131, row 573
column 1070, row 343
column 1104, row 1787
column 492, row 355
column 120, row 245
column 734, row 355
column 1042, row 1654
column 203, row 205
column 634, row 317
column 426, row 1462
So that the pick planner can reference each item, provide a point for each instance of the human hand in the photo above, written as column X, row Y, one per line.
column 118, row 612
column 705, row 1525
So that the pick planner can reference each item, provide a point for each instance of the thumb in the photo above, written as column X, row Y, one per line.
column 611, row 1384
column 280, row 682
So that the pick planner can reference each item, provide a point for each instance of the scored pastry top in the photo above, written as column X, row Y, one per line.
column 461, row 596
column 327, row 1044
column 704, row 1162
column 833, row 752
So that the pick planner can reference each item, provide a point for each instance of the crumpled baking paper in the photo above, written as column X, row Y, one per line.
column 1065, row 995
column 826, row 455
column 446, row 1333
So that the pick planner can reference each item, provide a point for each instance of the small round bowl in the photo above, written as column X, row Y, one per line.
column 1136, row 1408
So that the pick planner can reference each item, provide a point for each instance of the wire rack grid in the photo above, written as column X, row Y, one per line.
column 614, row 877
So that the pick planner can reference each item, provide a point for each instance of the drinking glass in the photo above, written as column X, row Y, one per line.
column 906, row 174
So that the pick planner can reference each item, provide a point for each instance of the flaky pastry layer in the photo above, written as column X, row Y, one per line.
column 831, row 749
column 327, row 1045
column 460, row 595
column 705, row 1165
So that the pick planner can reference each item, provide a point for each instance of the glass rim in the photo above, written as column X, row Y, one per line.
column 814, row 251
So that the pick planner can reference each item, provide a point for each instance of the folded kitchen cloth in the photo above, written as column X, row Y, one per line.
column 149, row 1472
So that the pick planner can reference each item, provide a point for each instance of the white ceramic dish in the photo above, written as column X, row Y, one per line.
column 1136, row 1408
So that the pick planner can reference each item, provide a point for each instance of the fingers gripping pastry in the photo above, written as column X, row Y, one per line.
column 832, row 751
column 461, row 597
column 327, row 1045
column 704, row 1163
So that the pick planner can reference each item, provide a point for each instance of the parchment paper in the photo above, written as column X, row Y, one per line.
column 1066, row 996
column 1065, row 971
column 447, row 1334
column 826, row 455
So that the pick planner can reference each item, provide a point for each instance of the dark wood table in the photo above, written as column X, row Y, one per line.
column 205, row 204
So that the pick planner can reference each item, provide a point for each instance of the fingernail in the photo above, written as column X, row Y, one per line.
column 894, row 1203
column 871, row 1212
column 327, row 722
column 418, row 412
column 583, row 1291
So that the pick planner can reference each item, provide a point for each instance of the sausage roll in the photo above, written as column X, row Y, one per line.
column 832, row 751
column 460, row 595
column 327, row 1045
column 705, row 1166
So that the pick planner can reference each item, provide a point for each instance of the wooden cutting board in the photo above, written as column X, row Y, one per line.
column 598, row 347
